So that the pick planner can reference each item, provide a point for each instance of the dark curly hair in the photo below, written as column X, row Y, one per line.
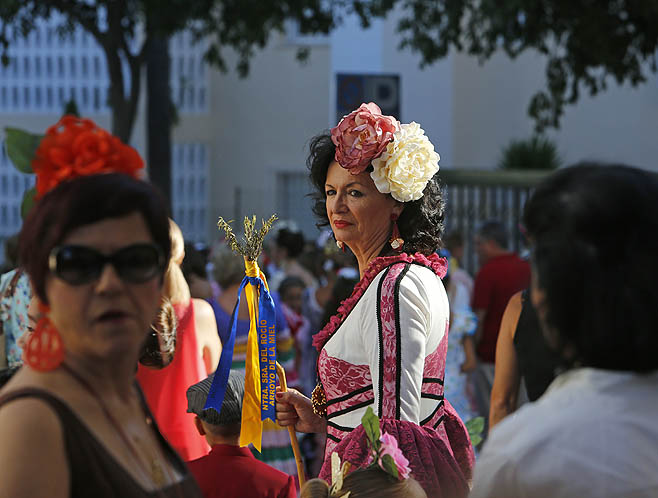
column 592, row 229
column 421, row 223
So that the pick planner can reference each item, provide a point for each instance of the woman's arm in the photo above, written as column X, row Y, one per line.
column 507, row 377
column 208, row 343
column 33, row 456
column 396, row 342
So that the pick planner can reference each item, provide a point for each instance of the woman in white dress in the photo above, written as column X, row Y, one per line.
column 378, row 190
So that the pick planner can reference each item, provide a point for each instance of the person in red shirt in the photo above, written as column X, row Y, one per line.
column 502, row 274
column 229, row 470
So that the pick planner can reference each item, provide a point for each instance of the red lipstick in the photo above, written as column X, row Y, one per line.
column 341, row 223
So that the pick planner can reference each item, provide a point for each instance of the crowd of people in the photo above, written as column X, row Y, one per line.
column 112, row 326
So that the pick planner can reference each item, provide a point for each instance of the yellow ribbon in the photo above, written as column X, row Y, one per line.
column 252, row 426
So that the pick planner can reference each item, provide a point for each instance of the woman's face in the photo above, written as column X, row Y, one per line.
column 359, row 214
column 107, row 315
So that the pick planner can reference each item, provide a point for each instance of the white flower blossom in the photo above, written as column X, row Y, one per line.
column 407, row 164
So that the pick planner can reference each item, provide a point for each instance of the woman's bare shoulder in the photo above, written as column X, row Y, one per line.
column 203, row 312
column 32, row 450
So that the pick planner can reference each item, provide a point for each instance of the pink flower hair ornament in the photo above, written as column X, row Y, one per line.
column 361, row 136
column 402, row 157
column 384, row 448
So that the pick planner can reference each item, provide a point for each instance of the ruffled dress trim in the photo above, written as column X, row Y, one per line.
column 441, row 471
column 434, row 262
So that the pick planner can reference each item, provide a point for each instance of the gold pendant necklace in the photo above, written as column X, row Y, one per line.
column 156, row 471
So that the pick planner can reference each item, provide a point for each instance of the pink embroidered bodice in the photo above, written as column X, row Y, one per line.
column 386, row 348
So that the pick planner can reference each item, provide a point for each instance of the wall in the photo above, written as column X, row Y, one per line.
column 490, row 109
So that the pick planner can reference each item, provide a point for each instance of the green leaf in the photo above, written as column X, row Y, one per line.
column 475, row 426
column 475, row 440
column 28, row 201
column 389, row 465
column 371, row 426
column 21, row 148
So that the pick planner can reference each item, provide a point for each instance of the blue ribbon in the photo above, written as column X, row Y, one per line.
column 266, row 330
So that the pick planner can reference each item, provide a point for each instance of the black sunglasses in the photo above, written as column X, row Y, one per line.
column 78, row 265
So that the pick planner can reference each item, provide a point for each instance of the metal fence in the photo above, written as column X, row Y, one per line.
column 473, row 197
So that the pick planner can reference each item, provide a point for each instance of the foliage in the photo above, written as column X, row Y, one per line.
column 71, row 108
column 535, row 153
column 21, row 148
column 475, row 427
column 585, row 42
column 124, row 29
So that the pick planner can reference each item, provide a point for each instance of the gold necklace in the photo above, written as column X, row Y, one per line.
column 156, row 471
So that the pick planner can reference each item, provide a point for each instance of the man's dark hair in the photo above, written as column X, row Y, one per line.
column 593, row 231
column 194, row 263
column 292, row 242
column 494, row 230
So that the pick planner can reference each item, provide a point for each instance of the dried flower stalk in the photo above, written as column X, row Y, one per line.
column 252, row 241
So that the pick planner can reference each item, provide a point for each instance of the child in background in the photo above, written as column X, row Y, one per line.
column 229, row 470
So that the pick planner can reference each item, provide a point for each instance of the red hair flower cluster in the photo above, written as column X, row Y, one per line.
column 78, row 147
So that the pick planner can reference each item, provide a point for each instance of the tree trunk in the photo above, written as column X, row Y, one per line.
column 158, row 109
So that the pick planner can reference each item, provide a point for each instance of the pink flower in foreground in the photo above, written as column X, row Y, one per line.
column 390, row 447
column 361, row 136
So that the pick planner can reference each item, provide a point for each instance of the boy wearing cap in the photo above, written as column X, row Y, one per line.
column 229, row 470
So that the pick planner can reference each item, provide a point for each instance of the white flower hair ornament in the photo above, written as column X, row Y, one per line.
column 407, row 165
column 402, row 157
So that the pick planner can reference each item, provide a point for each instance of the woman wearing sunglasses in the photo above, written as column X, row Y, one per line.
column 73, row 421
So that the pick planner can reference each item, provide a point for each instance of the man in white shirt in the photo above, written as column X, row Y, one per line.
column 594, row 433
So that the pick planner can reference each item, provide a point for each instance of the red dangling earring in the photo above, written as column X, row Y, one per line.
column 396, row 240
column 341, row 245
column 44, row 350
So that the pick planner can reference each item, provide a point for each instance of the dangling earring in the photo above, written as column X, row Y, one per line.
column 44, row 350
column 396, row 240
column 341, row 245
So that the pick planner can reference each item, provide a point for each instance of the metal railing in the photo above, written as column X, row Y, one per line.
column 473, row 197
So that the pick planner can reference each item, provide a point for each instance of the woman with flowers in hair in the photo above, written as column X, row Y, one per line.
column 377, row 188
column 73, row 421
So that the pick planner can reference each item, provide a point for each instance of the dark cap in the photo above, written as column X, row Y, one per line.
column 231, row 412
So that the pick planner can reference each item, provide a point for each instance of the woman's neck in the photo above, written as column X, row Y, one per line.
column 365, row 254
column 112, row 377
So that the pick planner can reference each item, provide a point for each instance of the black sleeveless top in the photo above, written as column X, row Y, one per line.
column 537, row 361
column 94, row 472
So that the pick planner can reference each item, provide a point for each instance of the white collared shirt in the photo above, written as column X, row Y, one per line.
column 594, row 433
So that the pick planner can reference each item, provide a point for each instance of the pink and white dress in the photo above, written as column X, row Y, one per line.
column 386, row 349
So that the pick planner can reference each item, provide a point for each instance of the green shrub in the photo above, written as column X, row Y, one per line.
column 535, row 153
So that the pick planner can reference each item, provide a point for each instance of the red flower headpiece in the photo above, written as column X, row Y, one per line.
column 77, row 147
